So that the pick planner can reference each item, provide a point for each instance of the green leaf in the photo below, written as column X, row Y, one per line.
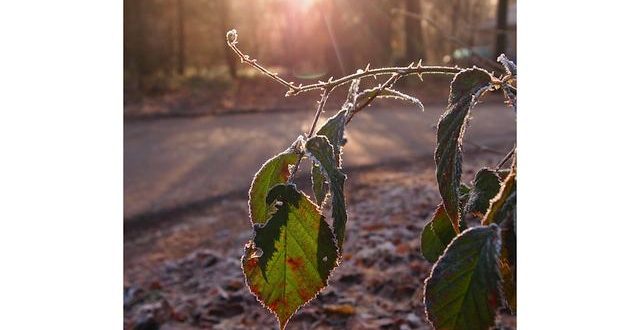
column 318, row 183
column 273, row 172
column 466, row 88
column 438, row 232
column 436, row 235
column 291, row 256
column 508, row 261
column 333, row 129
column 503, row 204
column 463, row 290
column 502, row 211
column 486, row 185
column 322, row 151
column 464, row 192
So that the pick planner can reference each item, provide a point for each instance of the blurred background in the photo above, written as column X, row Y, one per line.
column 176, row 59
column 198, row 124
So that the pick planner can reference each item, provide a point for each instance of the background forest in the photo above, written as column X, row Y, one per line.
column 176, row 60
column 199, row 123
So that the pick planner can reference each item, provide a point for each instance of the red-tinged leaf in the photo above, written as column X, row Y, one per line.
column 291, row 256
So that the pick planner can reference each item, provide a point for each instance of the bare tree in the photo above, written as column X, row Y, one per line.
column 501, row 27
column 181, row 36
column 413, row 32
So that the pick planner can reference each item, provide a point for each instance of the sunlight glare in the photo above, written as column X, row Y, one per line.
column 306, row 4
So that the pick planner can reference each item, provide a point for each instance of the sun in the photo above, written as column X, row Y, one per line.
column 306, row 4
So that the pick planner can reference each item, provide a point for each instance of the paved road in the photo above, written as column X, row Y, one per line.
column 173, row 162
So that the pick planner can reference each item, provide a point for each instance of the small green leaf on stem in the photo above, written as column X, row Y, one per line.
column 272, row 172
column 486, row 185
column 318, row 183
column 333, row 129
column 321, row 150
column 436, row 235
column 466, row 88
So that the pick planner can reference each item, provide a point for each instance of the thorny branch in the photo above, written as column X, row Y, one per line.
column 506, row 158
column 418, row 69
column 396, row 73
column 321, row 103
column 376, row 92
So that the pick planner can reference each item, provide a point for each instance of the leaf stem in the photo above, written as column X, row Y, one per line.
column 506, row 158
column 392, row 80
column 321, row 104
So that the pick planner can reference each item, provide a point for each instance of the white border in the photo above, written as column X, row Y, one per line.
column 61, row 165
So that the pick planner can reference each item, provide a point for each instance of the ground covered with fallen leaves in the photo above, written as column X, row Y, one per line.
column 185, row 274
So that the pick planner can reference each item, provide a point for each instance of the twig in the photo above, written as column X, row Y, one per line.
column 392, row 80
column 419, row 69
column 321, row 104
column 232, row 40
column 506, row 158
column 328, row 86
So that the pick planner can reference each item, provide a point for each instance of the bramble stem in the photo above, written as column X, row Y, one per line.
column 321, row 104
column 392, row 80
column 506, row 158
column 419, row 69
column 232, row 40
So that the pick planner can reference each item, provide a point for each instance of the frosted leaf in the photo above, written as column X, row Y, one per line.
column 508, row 64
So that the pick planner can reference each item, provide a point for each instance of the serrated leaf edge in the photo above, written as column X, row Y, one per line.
column 251, row 242
column 330, row 193
column 253, row 179
column 472, row 103
column 497, row 269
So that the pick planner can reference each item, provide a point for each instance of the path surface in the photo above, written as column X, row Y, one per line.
column 170, row 163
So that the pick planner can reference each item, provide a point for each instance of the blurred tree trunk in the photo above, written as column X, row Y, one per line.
column 472, row 15
column 224, row 26
column 181, row 37
column 379, row 21
column 169, row 50
column 455, row 19
column 134, row 31
column 413, row 33
column 501, row 27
